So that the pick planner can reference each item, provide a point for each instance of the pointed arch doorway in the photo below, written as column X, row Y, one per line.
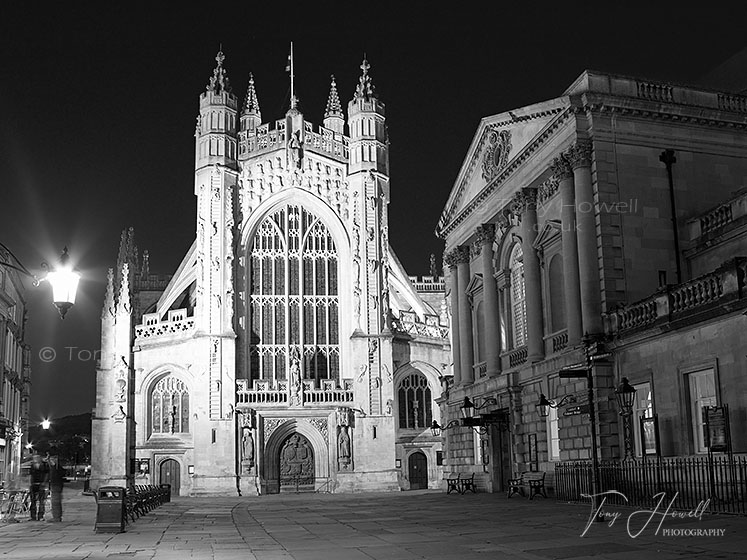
column 168, row 473
column 296, row 465
column 417, row 470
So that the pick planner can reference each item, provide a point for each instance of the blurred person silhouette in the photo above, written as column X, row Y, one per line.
column 39, row 475
column 56, row 482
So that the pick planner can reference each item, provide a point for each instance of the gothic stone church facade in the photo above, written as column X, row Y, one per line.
column 290, row 350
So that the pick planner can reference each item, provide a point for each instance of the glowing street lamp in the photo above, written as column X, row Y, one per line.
column 64, row 279
column 46, row 424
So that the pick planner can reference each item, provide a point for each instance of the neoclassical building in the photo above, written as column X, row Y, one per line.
column 15, row 373
column 604, row 227
column 289, row 350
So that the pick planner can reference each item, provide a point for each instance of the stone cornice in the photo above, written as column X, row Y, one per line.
column 448, row 221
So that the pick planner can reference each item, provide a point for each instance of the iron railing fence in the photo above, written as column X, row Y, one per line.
column 716, row 484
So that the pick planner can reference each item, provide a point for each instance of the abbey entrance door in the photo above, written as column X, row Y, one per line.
column 169, row 474
column 418, row 471
column 296, row 465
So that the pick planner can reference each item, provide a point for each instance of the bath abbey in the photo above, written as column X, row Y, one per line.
column 290, row 350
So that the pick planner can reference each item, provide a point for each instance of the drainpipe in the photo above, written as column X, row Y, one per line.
column 667, row 158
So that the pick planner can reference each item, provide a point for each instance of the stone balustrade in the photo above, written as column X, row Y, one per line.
column 700, row 295
column 409, row 323
column 268, row 393
column 718, row 217
column 266, row 138
column 152, row 326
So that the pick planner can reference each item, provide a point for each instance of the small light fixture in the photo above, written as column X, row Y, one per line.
column 436, row 429
column 64, row 281
column 544, row 405
column 625, row 394
column 45, row 424
column 398, row 463
column 191, row 469
column 468, row 408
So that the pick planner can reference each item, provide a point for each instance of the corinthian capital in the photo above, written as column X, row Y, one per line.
column 462, row 254
column 485, row 233
column 450, row 258
column 524, row 200
column 580, row 154
column 561, row 167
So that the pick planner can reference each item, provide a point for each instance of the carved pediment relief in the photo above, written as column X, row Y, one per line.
column 496, row 152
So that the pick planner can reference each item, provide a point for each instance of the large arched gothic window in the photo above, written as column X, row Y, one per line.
column 293, row 297
column 518, row 297
column 414, row 398
column 169, row 406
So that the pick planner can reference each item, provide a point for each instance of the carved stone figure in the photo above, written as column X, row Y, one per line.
column 247, row 446
column 343, row 446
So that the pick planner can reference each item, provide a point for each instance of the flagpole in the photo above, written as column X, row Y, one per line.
column 293, row 97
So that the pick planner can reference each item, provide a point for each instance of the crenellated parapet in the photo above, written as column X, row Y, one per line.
column 268, row 137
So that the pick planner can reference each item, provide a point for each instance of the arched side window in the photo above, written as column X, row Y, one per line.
column 518, row 297
column 414, row 396
column 293, row 297
column 169, row 406
column 557, row 303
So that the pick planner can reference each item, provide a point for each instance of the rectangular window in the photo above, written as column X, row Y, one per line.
column 702, row 393
column 553, row 436
column 643, row 406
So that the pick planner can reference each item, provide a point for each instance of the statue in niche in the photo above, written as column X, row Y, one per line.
column 247, row 446
column 343, row 447
column 295, row 381
column 296, row 149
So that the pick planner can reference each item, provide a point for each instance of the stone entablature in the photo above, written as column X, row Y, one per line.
column 177, row 322
column 281, row 393
column 688, row 300
column 265, row 139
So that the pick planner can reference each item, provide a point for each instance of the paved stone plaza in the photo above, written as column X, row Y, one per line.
column 400, row 526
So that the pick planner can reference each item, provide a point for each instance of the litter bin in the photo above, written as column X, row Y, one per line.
column 166, row 487
column 110, row 512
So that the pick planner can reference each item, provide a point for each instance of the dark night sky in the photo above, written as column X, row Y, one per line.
column 99, row 102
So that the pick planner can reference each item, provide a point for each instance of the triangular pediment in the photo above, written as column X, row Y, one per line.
column 549, row 233
column 496, row 147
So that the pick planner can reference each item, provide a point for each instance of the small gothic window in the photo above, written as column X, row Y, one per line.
column 169, row 406
column 518, row 297
column 414, row 398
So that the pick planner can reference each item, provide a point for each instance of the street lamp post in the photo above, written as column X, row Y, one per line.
column 63, row 279
column 625, row 394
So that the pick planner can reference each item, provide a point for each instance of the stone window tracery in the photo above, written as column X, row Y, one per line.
column 414, row 396
column 169, row 406
column 293, row 295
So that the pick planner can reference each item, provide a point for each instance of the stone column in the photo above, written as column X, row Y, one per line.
column 561, row 168
column 526, row 204
column 588, row 255
column 485, row 237
column 466, row 352
column 451, row 261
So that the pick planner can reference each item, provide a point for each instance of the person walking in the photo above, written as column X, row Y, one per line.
column 39, row 476
column 56, row 482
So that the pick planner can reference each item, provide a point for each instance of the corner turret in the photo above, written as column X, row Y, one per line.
column 367, row 122
column 215, row 134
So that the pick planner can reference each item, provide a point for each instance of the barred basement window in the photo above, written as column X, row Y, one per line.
column 414, row 398
column 169, row 406
column 293, row 297
column 518, row 297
